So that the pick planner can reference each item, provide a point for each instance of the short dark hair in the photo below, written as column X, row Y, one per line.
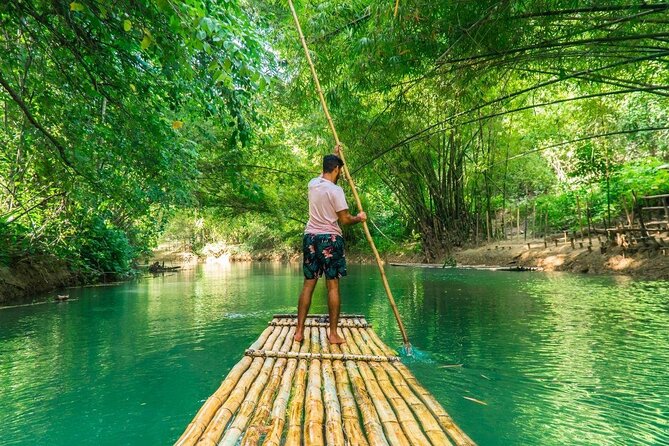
column 330, row 162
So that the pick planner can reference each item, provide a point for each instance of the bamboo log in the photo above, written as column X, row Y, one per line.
column 253, row 398
column 370, row 419
column 314, row 323
column 294, row 433
column 428, row 422
column 391, row 426
column 264, row 407
column 334, row 434
column 349, row 409
column 445, row 421
column 407, row 422
column 320, row 316
column 278, row 415
column 313, row 404
column 320, row 356
column 347, row 174
column 201, row 420
column 215, row 429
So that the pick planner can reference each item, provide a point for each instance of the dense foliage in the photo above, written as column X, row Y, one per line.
column 457, row 117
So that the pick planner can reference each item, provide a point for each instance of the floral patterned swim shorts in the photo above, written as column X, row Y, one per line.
column 323, row 254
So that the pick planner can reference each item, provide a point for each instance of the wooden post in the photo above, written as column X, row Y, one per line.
column 578, row 210
column 637, row 207
column 587, row 216
column 347, row 174
column 525, row 233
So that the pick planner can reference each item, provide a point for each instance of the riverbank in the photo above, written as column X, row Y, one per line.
column 564, row 257
column 504, row 254
column 32, row 276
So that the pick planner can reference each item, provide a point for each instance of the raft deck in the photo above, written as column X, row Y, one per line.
column 315, row 393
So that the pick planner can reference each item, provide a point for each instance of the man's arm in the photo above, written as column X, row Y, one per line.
column 345, row 217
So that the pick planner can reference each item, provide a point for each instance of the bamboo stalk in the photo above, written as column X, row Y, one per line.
column 294, row 433
column 320, row 356
column 445, row 421
column 349, row 409
column 428, row 422
column 391, row 426
column 370, row 419
column 313, row 404
column 215, row 429
column 347, row 174
column 253, row 398
column 215, row 401
column 314, row 323
column 278, row 415
column 334, row 434
column 264, row 407
column 408, row 423
column 320, row 316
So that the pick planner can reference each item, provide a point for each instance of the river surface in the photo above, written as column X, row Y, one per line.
column 515, row 358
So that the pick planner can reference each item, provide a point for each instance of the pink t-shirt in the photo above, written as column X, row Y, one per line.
column 325, row 200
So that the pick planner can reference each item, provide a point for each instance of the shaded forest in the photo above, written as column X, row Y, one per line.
column 198, row 122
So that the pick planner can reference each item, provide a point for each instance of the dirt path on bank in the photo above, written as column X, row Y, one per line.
column 646, row 264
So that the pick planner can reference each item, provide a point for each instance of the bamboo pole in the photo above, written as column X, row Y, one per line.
column 313, row 404
column 204, row 416
column 319, row 316
column 347, row 174
column 320, row 356
column 216, row 427
column 409, row 425
column 314, row 323
column 370, row 419
column 294, row 433
column 348, row 408
column 445, row 421
column 264, row 407
column 278, row 415
column 334, row 433
column 253, row 398
column 428, row 422
column 389, row 421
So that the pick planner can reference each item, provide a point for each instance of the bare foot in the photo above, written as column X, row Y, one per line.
column 334, row 338
column 299, row 336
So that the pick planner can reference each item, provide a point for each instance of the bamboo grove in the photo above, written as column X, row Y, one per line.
column 460, row 118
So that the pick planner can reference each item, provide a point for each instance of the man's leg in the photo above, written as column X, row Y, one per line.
column 334, row 305
column 303, row 305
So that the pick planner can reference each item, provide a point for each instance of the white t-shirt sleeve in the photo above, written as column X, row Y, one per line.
column 339, row 199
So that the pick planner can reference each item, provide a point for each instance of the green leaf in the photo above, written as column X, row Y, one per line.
column 74, row 6
column 127, row 25
column 146, row 41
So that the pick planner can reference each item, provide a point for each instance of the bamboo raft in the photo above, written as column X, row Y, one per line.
column 314, row 393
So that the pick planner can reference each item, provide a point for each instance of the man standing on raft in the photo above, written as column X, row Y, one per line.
column 323, row 245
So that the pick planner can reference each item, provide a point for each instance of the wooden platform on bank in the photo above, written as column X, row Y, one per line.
column 314, row 393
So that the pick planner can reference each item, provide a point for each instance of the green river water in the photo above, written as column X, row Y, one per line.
column 556, row 358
